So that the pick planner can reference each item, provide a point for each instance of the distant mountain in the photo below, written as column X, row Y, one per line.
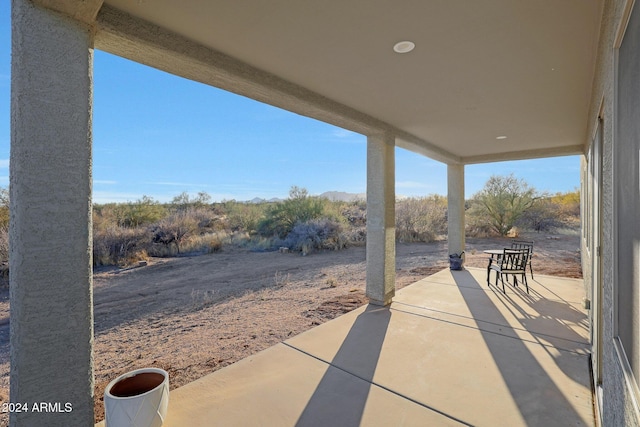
column 341, row 196
column 261, row 200
column 334, row 196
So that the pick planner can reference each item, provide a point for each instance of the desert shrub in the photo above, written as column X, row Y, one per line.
column 4, row 236
column 208, row 220
column 258, row 243
column 568, row 203
column 119, row 246
column 174, row 229
column 356, row 236
column 4, row 207
column 315, row 234
column 281, row 217
column 4, row 244
column 144, row 211
column 549, row 213
column 569, row 208
column 244, row 217
column 239, row 238
column 194, row 244
column 4, row 256
column 421, row 219
column 543, row 215
column 477, row 220
column 501, row 202
column 184, row 201
column 206, row 243
column 355, row 214
column 335, row 210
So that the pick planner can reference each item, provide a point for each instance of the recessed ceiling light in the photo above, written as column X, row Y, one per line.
column 501, row 137
column 404, row 46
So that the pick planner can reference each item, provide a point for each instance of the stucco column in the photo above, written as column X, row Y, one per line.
column 381, row 232
column 50, row 232
column 455, row 205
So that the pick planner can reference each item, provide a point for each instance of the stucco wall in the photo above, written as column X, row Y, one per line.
column 627, row 147
column 618, row 406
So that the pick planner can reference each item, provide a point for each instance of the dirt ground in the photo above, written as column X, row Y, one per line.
column 194, row 315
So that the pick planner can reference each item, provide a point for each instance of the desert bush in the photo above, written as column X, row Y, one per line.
column 315, row 234
column 4, row 244
column 174, row 229
column 258, row 243
column 477, row 221
column 501, row 202
column 421, row 219
column 144, row 211
column 184, row 201
column 4, row 236
column 208, row 220
column 543, row 215
column 4, row 256
column 356, row 236
column 355, row 213
column 568, row 203
column 549, row 213
column 119, row 246
column 298, row 208
column 206, row 243
column 569, row 208
column 4, row 207
column 244, row 217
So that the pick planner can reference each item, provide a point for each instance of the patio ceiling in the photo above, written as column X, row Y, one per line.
column 479, row 70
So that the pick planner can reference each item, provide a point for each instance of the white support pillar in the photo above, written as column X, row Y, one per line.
column 50, row 232
column 381, row 232
column 455, row 202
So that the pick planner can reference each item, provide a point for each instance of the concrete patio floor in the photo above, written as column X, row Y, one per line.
column 448, row 351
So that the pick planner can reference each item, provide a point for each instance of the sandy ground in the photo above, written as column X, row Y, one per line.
column 194, row 315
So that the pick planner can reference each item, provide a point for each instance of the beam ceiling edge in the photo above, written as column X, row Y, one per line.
column 525, row 154
column 80, row 10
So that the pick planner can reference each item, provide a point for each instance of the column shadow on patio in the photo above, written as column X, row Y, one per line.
column 536, row 394
column 338, row 399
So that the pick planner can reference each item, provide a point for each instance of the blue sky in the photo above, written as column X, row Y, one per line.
column 159, row 135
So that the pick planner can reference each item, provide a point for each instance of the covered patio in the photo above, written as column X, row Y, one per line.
column 485, row 83
column 449, row 350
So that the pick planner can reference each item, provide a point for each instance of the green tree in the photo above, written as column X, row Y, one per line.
column 502, row 201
